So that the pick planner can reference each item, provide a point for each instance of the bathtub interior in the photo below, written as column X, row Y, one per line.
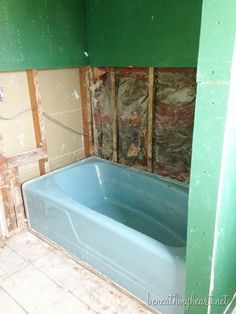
column 144, row 202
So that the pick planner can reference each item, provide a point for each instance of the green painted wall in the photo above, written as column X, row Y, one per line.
column 161, row 33
column 53, row 33
column 211, row 254
column 42, row 34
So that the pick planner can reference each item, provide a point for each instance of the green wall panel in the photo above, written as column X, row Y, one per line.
column 52, row 33
column 211, row 253
column 42, row 34
column 162, row 33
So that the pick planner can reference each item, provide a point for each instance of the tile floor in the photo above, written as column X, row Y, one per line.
column 37, row 278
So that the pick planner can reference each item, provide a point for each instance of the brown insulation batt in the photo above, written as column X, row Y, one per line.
column 132, row 95
column 100, row 87
column 174, row 115
column 175, row 92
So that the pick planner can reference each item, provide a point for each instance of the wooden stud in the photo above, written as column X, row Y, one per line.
column 15, row 188
column 84, row 94
column 21, row 159
column 7, row 200
column 150, row 118
column 37, row 113
column 10, row 187
column 114, row 116
column 94, row 104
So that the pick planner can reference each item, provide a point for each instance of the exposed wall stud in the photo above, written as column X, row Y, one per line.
column 8, row 204
column 150, row 118
column 10, row 187
column 114, row 115
column 84, row 94
column 24, row 158
column 37, row 113
column 15, row 188
column 94, row 104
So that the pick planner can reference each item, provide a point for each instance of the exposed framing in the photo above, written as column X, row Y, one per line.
column 114, row 115
column 6, row 196
column 85, row 107
column 11, row 200
column 37, row 113
column 90, row 78
column 11, row 196
column 147, row 74
column 10, row 186
column 93, row 103
column 150, row 119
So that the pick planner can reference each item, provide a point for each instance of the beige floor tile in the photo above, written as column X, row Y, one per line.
column 8, row 305
column 28, row 246
column 10, row 262
column 60, row 268
column 136, row 308
column 36, row 286
column 32, row 289
column 101, row 296
column 68, row 305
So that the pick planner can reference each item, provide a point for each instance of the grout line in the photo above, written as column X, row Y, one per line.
column 27, row 260
column 87, row 305
column 51, row 279
column 14, row 272
column 95, row 272
column 53, row 248
column 2, row 278
column 66, row 289
column 14, row 299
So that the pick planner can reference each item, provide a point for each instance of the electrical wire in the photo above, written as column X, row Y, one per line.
column 47, row 116
column 16, row 115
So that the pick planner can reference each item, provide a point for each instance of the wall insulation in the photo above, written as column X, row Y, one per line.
column 101, row 111
column 173, row 125
column 174, row 101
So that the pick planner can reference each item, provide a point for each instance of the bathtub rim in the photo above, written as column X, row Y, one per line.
column 116, row 164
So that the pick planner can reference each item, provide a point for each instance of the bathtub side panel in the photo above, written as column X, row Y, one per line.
column 143, row 266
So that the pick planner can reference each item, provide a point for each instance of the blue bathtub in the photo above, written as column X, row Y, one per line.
column 127, row 224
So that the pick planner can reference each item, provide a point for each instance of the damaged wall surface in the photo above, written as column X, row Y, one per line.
column 17, row 133
column 60, row 95
column 174, row 101
column 30, row 101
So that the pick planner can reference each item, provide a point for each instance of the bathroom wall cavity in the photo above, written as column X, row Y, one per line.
column 173, row 106
column 60, row 98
